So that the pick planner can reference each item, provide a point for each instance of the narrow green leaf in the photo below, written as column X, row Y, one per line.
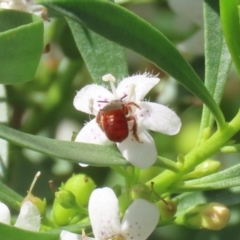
column 189, row 200
column 95, row 155
column 3, row 143
column 100, row 55
column 10, row 233
column 224, row 179
column 21, row 46
column 231, row 29
column 123, row 27
column 9, row 197
column 217, row 58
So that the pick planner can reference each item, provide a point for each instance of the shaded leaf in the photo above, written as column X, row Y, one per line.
column 21, row 46
column 95, row 155
column 217, row 58
column 100, row 55
column 10, row 233
column 231, row 29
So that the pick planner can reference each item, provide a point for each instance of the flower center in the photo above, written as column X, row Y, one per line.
column 118, row 237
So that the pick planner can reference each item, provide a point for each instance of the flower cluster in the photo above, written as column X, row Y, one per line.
column 138, row 147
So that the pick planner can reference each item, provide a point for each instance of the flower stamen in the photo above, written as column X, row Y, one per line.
column 111, row 79
column 131, row 92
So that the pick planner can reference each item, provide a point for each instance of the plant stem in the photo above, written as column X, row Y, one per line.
column 199, row 154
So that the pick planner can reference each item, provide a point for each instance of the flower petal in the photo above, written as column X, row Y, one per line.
column 188, row 9
column 141, row 154
column 159, row 118
column 104, row 213
column 188, row 46
column 143, row 84
column 87, row 98
column 5, row 216
column 29, row 217
column 66, row 235
column 92, row 133
column 140, row 220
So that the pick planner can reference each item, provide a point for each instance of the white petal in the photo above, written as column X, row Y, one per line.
column 66, row 235
column 140, row 220
column 104, row 213
column 188, row 47
column 191, row 10
column 87, row 98
column 5, row 216
column 159, row 118
column 143, row 84
column 92, row 133
column 141, row 154
column 29, row 217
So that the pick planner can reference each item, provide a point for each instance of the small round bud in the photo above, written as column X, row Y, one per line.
column 66, row 199
column 81, row 186
column 212, row 216
column 62, row 216
column 168, row 209
column 140, row 191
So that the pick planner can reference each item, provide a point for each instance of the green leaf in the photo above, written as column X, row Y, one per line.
column 100, row 55
column 189, row 200
column 217, row 58
column 231, row 29
column 9, row 197
column 21, row 46
column 224, row 179
column 123, row 27
column 3, row 144
column 10, row 233
column 95, row 155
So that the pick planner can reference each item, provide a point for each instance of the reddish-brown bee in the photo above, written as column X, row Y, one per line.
column 113, row 120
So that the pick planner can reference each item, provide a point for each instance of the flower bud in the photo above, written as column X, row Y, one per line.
column 168, row 209
column 62, row 216
column 140, row 191
column 212, row 216
column 66, row 199
column 81, row 186
column 205, row 168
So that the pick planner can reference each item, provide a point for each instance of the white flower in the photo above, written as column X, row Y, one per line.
column 28, row 219
column 191, row 11
column 138, row 222
column 140, row 152
column 25, row 6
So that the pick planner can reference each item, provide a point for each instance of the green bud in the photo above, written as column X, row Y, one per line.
column 66, row 199
column 81, row 186
column 168, row 209
column 212, row 216
column 140, row 191
column 205, row 168
column 62, row 216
